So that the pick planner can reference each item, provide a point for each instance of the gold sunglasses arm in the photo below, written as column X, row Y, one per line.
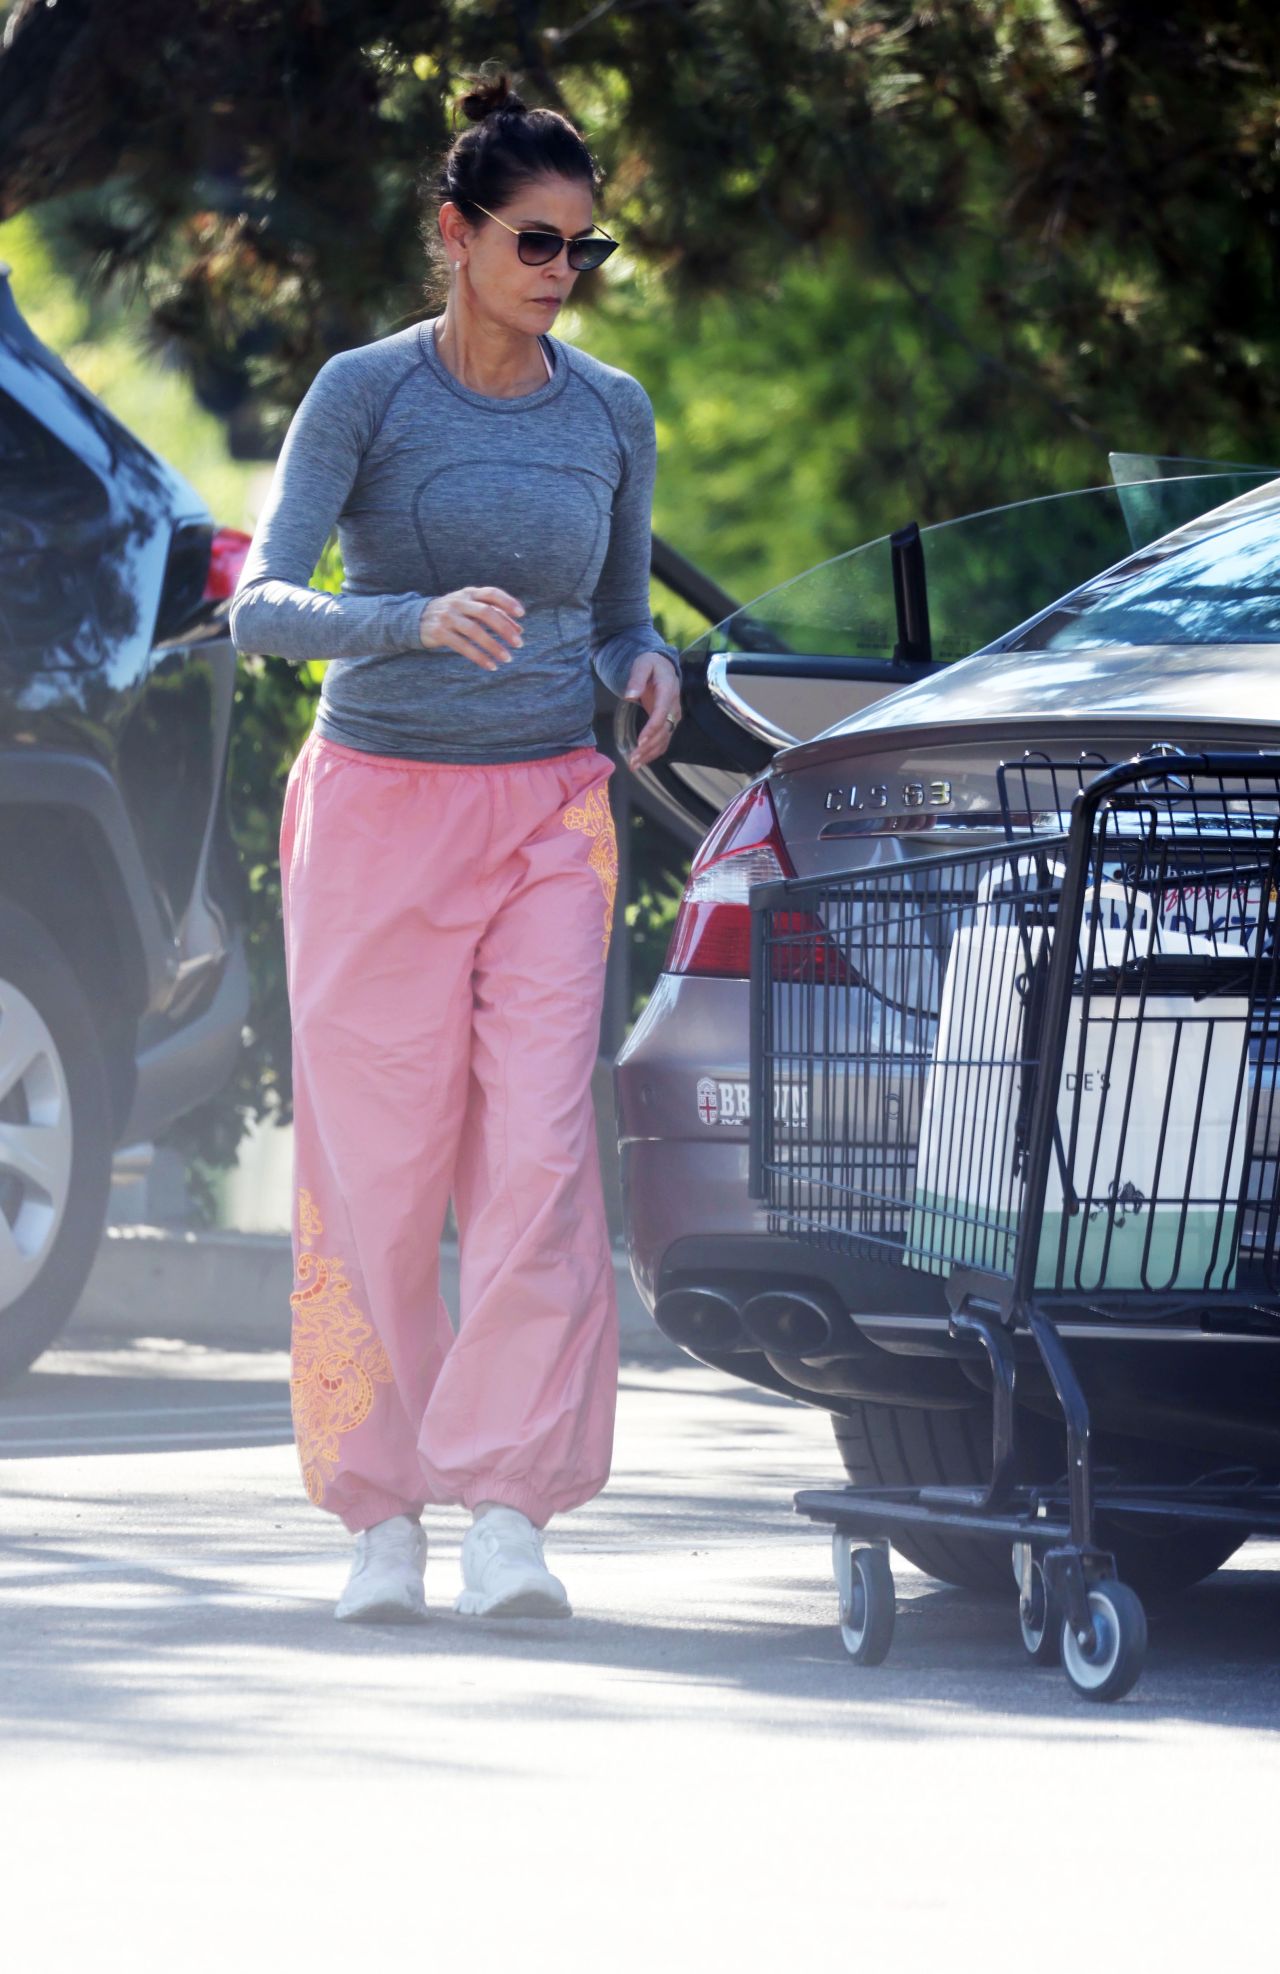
column 597, row 232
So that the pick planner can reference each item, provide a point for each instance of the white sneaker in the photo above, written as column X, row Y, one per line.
column 385, row 1584
column 503, row 1571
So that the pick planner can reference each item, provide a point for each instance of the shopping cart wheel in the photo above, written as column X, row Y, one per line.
column 867, row 1607
column 1040, row 1618
column 1112, row 1665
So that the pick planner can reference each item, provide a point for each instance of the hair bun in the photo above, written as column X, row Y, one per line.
column 493, row 98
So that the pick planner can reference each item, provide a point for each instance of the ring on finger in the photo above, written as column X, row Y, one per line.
column 672, row 721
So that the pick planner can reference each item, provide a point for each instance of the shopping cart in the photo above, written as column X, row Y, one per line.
column 1045, row 1072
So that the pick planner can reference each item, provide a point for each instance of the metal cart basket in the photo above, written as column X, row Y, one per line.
column 1043, row 1072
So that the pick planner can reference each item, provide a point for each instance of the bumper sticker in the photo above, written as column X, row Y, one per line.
column 728, row 1101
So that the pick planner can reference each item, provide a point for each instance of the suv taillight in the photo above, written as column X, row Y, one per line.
column 226, row 559
column 712, row 932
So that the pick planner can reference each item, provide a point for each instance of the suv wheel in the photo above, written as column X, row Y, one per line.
column 904, row 1446
column 55, row 1140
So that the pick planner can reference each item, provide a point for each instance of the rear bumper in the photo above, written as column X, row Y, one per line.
column 1184, row 1388
column 680, row 1082
column 690, row 1222
column 672, row 1193
column 681, row 1088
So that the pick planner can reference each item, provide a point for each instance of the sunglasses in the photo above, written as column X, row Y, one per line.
column 536, row 248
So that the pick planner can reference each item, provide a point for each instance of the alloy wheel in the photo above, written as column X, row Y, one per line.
column 35, row 1142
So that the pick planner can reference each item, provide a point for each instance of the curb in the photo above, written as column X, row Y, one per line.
column 223, row 1288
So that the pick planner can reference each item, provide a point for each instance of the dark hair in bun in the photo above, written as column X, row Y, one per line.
column 490, row 97
column 506, row 145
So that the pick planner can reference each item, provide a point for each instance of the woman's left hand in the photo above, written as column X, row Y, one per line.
column 655, row 682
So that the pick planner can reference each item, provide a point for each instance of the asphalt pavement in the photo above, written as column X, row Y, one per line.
column 203, row 1769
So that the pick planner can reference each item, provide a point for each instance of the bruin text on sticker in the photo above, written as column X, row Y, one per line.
column 729, row 1102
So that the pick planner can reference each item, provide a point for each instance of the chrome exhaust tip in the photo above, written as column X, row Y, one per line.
column 796, row 1322
column 699, row 1318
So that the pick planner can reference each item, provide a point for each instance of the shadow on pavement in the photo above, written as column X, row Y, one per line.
column 173, row 1592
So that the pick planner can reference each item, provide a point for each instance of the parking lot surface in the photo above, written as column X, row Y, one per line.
column 203, row 1769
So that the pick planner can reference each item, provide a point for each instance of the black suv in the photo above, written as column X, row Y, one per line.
column 123, row 981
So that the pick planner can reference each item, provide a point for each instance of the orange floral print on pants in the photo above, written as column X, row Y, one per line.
column 337, row 1359
column 595, row 818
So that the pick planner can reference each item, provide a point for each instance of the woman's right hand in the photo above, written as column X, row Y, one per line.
column 466, row 620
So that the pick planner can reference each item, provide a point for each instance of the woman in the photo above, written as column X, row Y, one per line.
column 448, row 866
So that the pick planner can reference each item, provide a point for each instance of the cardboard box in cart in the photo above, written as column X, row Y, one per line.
column 1152, row 1117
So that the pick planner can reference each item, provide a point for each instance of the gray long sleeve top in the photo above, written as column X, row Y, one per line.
column 433, row 487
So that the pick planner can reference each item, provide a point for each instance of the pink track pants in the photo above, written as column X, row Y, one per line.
column 445, row 936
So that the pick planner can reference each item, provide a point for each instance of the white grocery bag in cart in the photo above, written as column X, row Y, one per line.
column 1154, row 1158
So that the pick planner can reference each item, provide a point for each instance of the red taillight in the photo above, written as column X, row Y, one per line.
column 226, row 560
column 712, row 932
column 801, row 950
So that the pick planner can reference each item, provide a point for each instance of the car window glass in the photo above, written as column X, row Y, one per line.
column 40, row 478
column 1222, row 589
column 985, row 574
column 10, row 443
column 53, row 512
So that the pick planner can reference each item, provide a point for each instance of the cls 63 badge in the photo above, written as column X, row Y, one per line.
column 729, row 1102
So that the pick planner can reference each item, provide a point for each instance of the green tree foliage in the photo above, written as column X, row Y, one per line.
column 946, row 251
column 1081, row 198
